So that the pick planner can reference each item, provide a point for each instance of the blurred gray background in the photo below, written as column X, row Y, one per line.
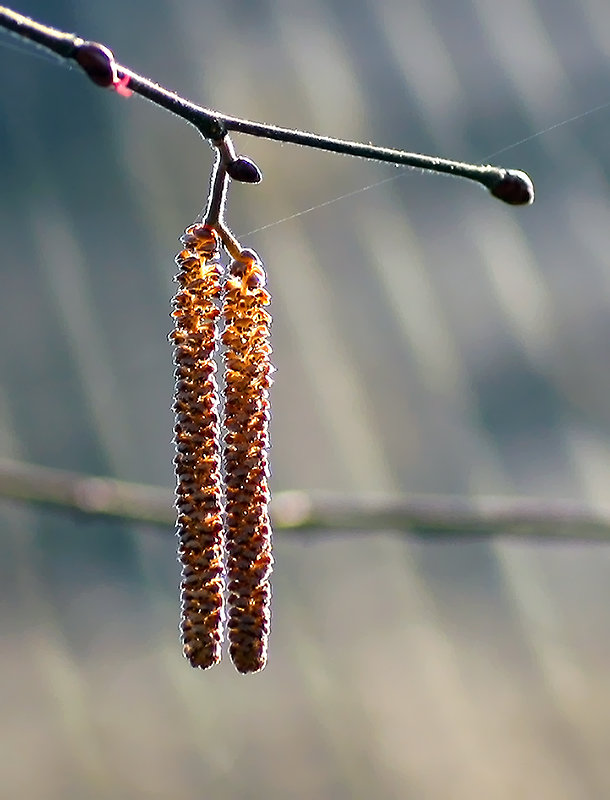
column 428, row 339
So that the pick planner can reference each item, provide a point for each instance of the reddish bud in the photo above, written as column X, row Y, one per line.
column 245, row 170
column 514, row 187
column 98, row 62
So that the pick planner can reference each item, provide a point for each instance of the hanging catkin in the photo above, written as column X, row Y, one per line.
column 197, row 459
column 248, row 530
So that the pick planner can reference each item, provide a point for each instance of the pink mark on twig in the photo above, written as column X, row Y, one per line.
column 121, row 86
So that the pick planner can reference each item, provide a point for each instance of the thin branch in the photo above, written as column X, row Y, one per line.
column 431, row 517
column 512, row 186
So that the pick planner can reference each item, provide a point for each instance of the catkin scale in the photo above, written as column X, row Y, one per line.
column 248, row 529
column 197, row 458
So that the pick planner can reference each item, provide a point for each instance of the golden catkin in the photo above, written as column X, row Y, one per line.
column 248, row 529
column 197, row 459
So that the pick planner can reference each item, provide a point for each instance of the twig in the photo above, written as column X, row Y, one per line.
column 431, row 517
column 97, row 61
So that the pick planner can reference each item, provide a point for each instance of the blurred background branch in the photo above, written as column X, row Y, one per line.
column 426, row 515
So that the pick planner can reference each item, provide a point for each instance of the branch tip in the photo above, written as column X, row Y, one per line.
column 514, row 187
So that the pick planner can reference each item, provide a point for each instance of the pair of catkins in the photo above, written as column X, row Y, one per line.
column 222, row 470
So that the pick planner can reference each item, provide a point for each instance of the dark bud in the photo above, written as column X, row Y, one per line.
column 514, row 187
column 245, row 170
column 98, row 62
